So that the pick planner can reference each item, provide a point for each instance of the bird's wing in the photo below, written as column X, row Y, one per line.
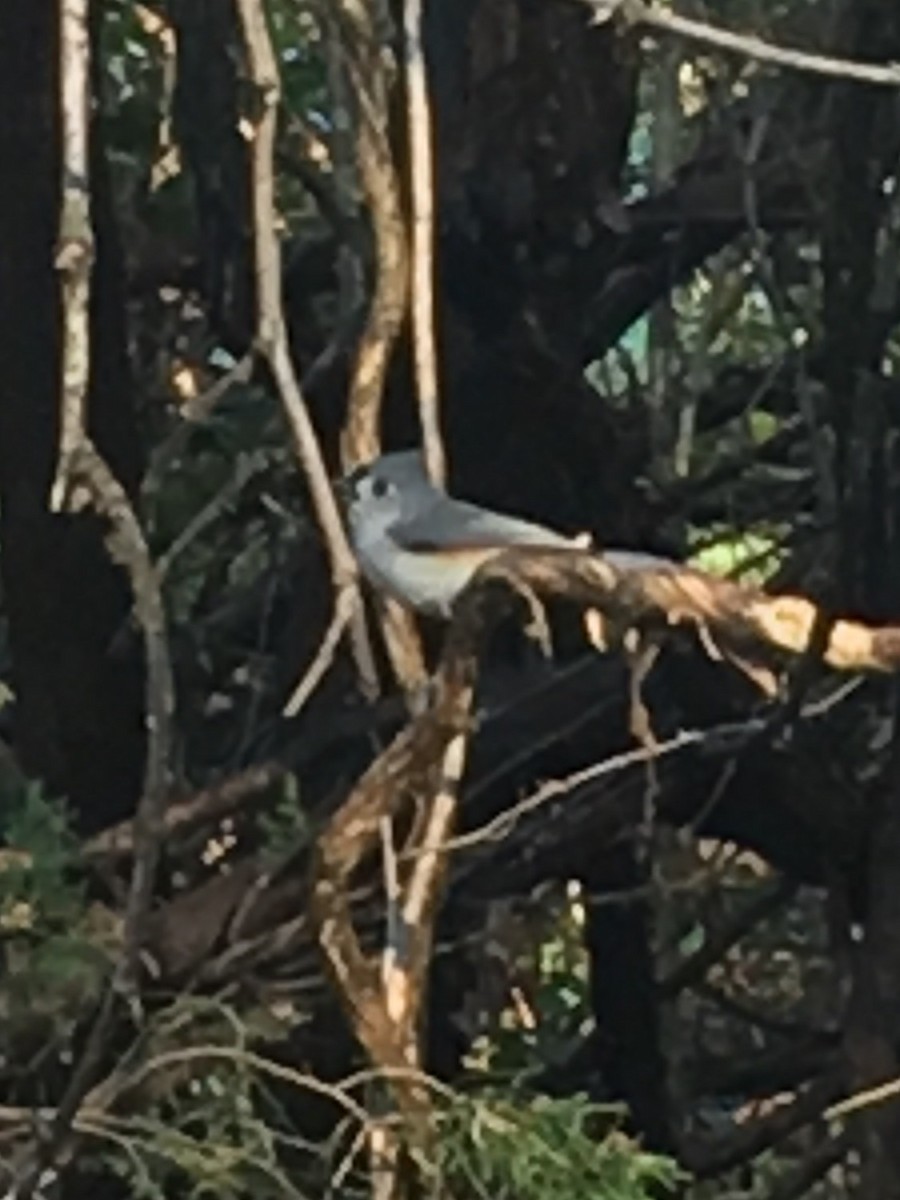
column 455, row 525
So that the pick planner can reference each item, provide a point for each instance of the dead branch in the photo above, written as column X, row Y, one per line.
column 587, row 805
column 501, row 826
column 291, row 939
column 247, row 468
column 180, row 817
column 363, row 49
column 422, row 765
column 655, row 16
column 88, row 473
column 128, row 548
column 880, row 1094
column 75, row 244
column 751, row 1140
column 420, row 156
column 271, row 332
column 740, row 619
column 84, row 480
column 345, row 607
column 363, row 54
column 197, row 410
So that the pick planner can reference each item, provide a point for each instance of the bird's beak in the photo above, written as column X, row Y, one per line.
column 345, row 485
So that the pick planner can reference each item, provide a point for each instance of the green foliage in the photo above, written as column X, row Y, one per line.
column 211, row 1143
column 556, row 972
column 214, row 1120
column 538, row 1148
column 751, row 556
column 38, row 864
column 54, row 960
column 285, row 824
column 206, row 1124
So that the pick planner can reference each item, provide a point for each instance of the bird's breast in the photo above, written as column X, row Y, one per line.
column 427, row 581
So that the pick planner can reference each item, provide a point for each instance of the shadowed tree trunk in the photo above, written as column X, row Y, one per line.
column 623, row 994
column 529, row 159
column 78, row 719
column 856, row 293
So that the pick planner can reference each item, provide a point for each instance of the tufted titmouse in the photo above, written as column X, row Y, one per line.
column 417, row 543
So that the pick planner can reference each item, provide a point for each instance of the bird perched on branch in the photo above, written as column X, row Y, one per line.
column 422, row 546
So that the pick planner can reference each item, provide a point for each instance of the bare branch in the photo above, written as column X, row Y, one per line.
column 195, row 411
column 655, row 16
column 740, row 618
column 345, row 606
column 422, row 765
column 247, row 467
column 880, row 1094
column 271, row 334
column 420, row 155
column 366, row 69
column 75, row 245
column 503, row 823
column 755, row 1138
column 361, row 439
column 84, row 480
column 128, row 548
column 181, row 816
column 743, row 619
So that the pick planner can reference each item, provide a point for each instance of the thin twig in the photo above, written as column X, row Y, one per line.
column 271, row 336
column 194, row 412
column 502, row 825
column 247, row 468
column 167, row 161
column 654, row 16
column 345, row 606
column 422, row 189
column 880, row 1094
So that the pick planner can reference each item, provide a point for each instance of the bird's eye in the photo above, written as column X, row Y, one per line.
column 380, row 487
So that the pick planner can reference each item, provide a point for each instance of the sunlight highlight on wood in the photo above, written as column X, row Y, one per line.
column 272, row 341
column 422, row 192
column 75, row 244
column 655, row 16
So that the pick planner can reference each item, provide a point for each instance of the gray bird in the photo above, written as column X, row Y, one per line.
column 420, row 545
